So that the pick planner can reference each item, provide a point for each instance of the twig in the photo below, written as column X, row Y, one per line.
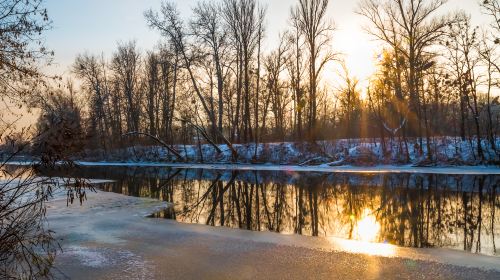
column 157, row 140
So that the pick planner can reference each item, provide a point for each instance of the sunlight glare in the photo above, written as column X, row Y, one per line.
column 367, row 228
column 366, row 232
column 363, row 247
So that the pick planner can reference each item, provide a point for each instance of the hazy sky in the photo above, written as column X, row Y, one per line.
column 97, row 25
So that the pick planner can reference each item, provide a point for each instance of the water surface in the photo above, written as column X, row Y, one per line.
column 414, row 210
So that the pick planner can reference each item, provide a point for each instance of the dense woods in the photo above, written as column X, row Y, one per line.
column 210, row 79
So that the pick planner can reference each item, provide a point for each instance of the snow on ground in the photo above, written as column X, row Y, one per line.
column 465, row 170
column 446, row 151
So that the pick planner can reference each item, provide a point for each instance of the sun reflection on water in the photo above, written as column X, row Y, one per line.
column 365, row 233
column 367, row 228
column 363, row 247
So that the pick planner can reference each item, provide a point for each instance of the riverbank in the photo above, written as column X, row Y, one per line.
column 443, row 152
column 109, row 237
column 464, row 170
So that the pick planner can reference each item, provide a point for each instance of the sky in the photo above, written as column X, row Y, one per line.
column 96, row 26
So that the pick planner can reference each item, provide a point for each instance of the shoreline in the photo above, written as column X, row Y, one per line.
column 458, row 170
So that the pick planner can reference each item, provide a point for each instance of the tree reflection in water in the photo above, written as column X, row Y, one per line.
column 415, row 210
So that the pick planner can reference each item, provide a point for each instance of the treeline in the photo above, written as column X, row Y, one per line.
column 210, row 78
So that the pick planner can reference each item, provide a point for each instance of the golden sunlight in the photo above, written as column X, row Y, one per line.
column 366, row 231
column 363, row 247
column 367, row 228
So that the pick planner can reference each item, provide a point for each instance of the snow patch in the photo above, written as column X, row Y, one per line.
column 442, row 151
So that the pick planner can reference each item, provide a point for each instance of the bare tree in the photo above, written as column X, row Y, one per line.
column 274, row 64
column 91, row 70
column 310, row 17
column 410, row 28
column 208, row 27
column 170, row 24
column 349, row 97
column 492, row 9
column 59, row 127
column 244, row 19
column 22, row 50
column 125, row 65
column 295, row 71
column 170, row 68
column 490, row 52
column 152, row 91
column 465, row 60
column 27, row 247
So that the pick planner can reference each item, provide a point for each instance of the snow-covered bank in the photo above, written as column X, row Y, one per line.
column 466, row 170
column 445, row 151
